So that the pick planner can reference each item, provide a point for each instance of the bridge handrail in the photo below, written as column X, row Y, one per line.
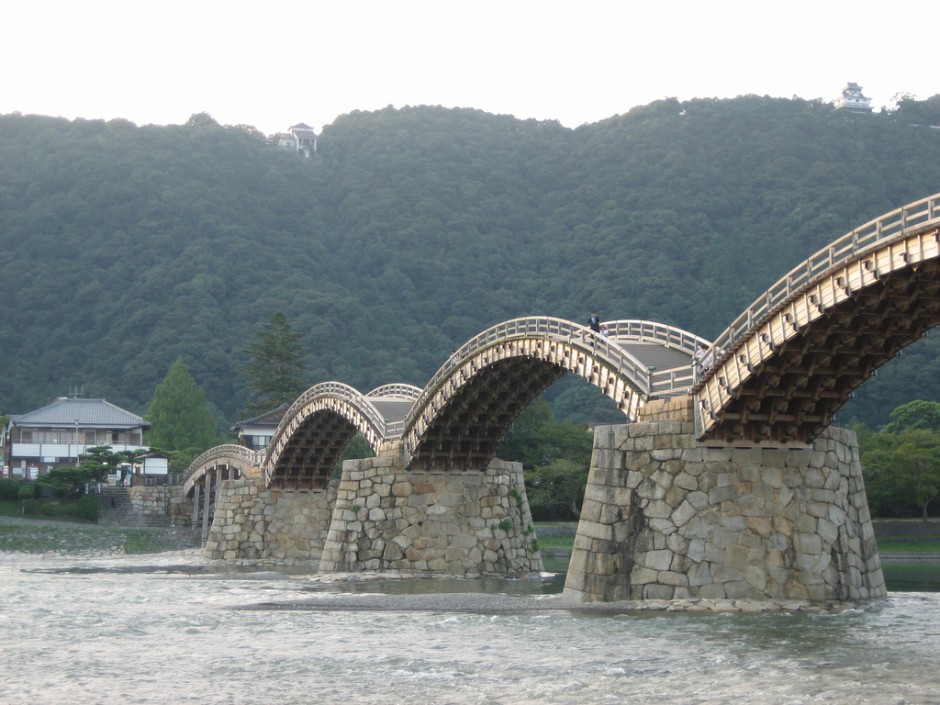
column 336, row 390
column 850, row 246
column 662, row 382
column 643, row 331
column 397, row 391
column 226, row 450
column 545, row 327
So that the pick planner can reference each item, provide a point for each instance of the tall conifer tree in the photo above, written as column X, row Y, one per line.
column 179, row 417
column 275, row 366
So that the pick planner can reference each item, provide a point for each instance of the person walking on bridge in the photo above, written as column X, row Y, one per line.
column 594, row 322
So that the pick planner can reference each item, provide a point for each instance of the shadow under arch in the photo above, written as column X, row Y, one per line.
column 313, row 433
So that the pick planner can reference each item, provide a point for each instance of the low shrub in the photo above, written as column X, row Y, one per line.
column 9, row 489
column 30, row 506
column 27, row 491
column 86, row 508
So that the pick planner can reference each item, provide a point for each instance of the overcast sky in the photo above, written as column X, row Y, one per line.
column 280, row 62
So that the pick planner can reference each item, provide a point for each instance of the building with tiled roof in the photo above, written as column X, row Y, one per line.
column 300, row 137
column 256, row 433
column 58, row 433
column 853, row 100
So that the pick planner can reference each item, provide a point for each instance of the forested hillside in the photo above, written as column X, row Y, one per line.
column 125, row 247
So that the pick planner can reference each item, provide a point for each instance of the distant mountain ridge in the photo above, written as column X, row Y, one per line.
column 124, row 247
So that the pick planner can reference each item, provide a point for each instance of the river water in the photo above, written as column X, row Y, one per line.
column 168, row 629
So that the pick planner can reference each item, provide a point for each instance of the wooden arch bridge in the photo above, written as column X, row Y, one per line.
column 776, row 376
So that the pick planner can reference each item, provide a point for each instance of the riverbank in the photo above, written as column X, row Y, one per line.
column 898, row 539
column 51, row 538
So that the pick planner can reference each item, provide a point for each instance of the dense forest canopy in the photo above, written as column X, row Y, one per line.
column 125, row 248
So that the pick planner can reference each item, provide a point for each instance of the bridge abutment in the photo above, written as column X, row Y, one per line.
column 387, row 518
column 666, row 518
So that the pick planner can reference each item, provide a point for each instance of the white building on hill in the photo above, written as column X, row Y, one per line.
column 301, row 138
column 853, row 100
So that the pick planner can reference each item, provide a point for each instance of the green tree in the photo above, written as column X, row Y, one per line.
column 902, row 463
column 358, row 447
column 180, row 420
column 916, row 414
column 555, row 459
column 95, row 463
column 275, row 365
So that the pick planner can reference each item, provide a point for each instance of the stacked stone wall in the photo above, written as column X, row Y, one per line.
column 140, row 505
column 252, row 523
column 180, row 510
column 153, row 501
column 666, row 518
column 678, row 409
column 456, row 523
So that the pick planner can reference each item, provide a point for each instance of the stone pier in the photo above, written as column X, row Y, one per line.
column 380, row 517
column 254, row 523
column 456, row 523
column 666, row 518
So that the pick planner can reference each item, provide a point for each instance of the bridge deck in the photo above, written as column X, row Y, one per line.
column 656, row 356
column 393, row 410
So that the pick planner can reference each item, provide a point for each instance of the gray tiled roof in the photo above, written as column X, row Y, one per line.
column 268, row 418
column 89, row 413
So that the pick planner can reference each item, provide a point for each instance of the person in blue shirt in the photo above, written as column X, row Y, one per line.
column 594, row 322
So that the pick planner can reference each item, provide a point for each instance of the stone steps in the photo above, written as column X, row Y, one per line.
column 115, row 508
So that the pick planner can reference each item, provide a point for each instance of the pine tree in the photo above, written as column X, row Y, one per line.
column 179, row 417
column 275, row 366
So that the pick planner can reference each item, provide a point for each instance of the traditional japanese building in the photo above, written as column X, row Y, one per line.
column 59, row 433
column 853, row 100
column 257, row 432
column 301, row 138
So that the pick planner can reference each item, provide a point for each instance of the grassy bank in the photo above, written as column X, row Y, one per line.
column 61, row 538
column 893, row 535
column 909, row 546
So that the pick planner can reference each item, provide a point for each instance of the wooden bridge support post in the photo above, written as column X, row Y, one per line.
column 194, row 524
column 205, row 505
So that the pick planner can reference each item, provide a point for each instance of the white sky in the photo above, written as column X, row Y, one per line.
column 280, row 62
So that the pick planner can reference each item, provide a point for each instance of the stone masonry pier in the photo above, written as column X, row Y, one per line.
column 254, row 523
column 379, row 516
column 665, row 517
column 457, row 523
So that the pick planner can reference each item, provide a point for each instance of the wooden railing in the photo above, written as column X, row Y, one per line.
column 338, row 390
column 649, row 382
column 894, row 225
column 227, row 450
column 399, row 391
column 650, row 331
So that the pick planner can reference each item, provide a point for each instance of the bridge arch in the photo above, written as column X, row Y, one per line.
column 314, row 431
column 475, row 396
column 233, row 461
column 795, row 356
column 201, row 484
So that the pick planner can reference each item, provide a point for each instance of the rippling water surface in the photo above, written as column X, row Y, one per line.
column 157, row 630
